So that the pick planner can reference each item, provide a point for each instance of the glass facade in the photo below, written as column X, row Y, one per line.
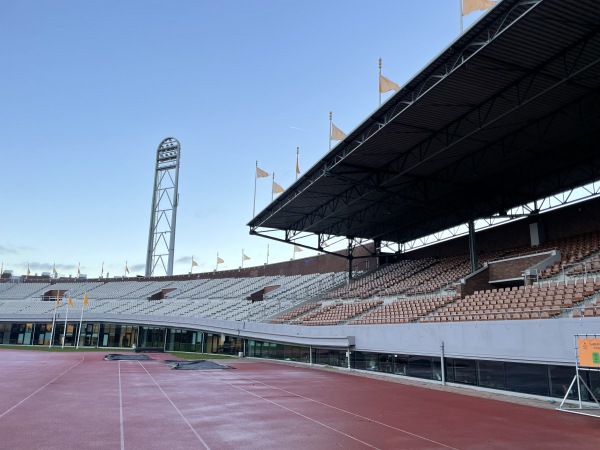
column 492, row 374
column 150, row 337
column 272, row 350
column 184, row 341
column 222, row 343
column 90, row 333
column 16, row 333
column 537, row 379
column 328, row 357
column 462, row 370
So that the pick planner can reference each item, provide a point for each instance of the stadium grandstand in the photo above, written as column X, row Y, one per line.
column 469, row 204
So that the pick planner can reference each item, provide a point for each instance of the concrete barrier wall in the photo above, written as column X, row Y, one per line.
column 548, row 341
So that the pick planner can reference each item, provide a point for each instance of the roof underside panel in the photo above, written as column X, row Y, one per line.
column 514, row 117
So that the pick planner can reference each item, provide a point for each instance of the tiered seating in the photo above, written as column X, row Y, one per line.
column 424, row 276
column 591, row 310
column 147, row 289
column 76, row 289
column 379, row 280
column 428, row 275
column 374, row 298
column 589, row 266
column 337, row 312
column 432, row 278
column 296, row 312
column 306, row 286
column 243, row 287
column 219, row 298
column 21, row 291
column 573, row 250
column 404, row 311
column 115, row 290
column 529, row 302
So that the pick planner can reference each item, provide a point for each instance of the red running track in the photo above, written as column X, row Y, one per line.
column 79, row 401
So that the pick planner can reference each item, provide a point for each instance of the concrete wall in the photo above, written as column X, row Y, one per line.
column 548, row 341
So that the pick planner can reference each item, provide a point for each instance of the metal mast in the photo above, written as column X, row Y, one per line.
column 161, row 239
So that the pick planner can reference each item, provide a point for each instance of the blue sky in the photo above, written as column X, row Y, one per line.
column 90, row 88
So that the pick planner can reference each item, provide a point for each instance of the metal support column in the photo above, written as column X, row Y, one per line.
column 350, row 259
column 443, row 363
column 472, row 246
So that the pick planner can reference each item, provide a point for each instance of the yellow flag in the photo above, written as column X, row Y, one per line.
column 220, row 260
column 336, row 133
column 57, row 299
column 244, row 257
column 261, row 173
column 85, row 300
column 70, row 302
column 476, row 5
column 297, row 166
column 276, row 188
column 54, row 270
column 386, row 85
column 194, row 263
column 297, row 249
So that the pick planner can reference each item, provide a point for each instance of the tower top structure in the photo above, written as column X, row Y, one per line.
column 163, row 215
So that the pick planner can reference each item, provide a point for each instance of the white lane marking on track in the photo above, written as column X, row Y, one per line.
column 121, row 409
column 176, row 408
column 300, row 414
column 351, row 413
column 35, row 392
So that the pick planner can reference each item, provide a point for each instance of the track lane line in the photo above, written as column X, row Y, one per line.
column 121, row 409
column 176, row 408
column 341, row 410
column 298, row 413
column 38, row 390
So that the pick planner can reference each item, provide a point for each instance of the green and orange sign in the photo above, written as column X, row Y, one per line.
column 589, row 351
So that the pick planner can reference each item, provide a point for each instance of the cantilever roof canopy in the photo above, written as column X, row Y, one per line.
column 509, row 113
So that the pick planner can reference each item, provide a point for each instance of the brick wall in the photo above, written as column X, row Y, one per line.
column 514, row 267
column 477, row 282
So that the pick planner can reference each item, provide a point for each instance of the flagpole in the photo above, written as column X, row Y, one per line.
column 379, row 81
column 217, row 265
column 102, row 272
column 255, row 177
column 330, row 129
column 53, row 325
column 54, row 318
column 460, row 2
column 192, row 264
column 80, row 324
column 65, row 332
column 242, row 258
column 273, row 187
